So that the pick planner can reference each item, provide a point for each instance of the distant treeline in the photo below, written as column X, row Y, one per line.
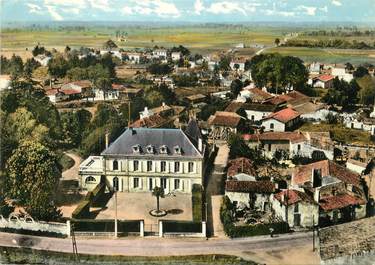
column 336, row 43
column 350, row 32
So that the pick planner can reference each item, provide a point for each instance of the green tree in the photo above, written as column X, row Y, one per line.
column 154, row 98
column 360, row 72
column 38, row 50
column 110, row 45
column 29, row 68
column 277, row 41
column 58, row 66
column 158, row 192
column 224, row 63
column 235, row 87
column 15, row 66
column 366, row 93
column 33, row 176
column 159, row 69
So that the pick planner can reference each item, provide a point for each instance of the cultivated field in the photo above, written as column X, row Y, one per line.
column 328, row 55
column 199, row 39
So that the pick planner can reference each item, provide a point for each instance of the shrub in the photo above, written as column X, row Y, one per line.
column 82, row 210
column 197, row 202
column 227, row 218
column 31, row 232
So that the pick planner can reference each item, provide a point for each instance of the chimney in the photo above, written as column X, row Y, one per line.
column 106, row 139
column 316, row 195
column 200, row 145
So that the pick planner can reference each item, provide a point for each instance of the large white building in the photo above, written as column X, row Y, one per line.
column 143, row 158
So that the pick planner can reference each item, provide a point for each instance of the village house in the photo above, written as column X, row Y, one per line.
column 322, row 81
column 341, row 73
column 306, row 144
column 242, row 187
column 238, row 64
column 42, row 59
column 159, row 53
column 115, row 53
column 281, row 121
column 315, row 68
column 176, row 56
column 4, row 82
column 336, row 189
column 134, row 57
column 255, row 95
column 223, row 123
column 290, row 142
column 55, row 95
column 142, row 158
column 255, row 112
column 296, row 208
column 127, row 92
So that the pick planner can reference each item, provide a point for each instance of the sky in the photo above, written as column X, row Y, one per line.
column 189, row 10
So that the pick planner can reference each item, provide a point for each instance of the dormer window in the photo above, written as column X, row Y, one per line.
column 163, row 149
column 150, row 149
column 177, row 150
column 136, row 148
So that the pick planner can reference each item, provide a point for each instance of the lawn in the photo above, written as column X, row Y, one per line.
column 26, row 256
column 339, row 133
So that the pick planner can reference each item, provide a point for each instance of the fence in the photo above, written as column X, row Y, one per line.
column 89, row 227
column 169, row 228
column 27, row 223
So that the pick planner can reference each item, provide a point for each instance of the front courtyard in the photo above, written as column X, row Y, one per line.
column 136, row 206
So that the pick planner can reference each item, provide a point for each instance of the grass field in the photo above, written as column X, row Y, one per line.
column 28, row 256
column 328, row 55
column 339, row 133
column 199, row 39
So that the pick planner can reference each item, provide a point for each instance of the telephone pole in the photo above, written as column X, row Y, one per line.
column 74, row 243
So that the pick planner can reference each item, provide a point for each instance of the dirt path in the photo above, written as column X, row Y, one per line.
column 72, row 173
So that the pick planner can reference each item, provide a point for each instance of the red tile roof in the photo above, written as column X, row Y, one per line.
column 68, row 91
column 289, row 197
column 276, row 101
column 241, row 165
column 325, row 78
column 294, row 137
column 284, row 115
column 224, row 118
column 339, row 201
column 249, row 186
column 152, row 121
column 259, row 93
column 328, row 168
column 234, row 106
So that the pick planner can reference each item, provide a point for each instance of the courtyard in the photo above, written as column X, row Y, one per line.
column 136, row 206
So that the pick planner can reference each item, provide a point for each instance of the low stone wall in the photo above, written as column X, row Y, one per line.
column 347, row 239
column 163, row 233
column 27, row 223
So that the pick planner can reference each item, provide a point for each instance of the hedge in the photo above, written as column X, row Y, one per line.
column 92, row 198
column 32, row 233
column 97, row 195
column 170, row 226
column 226, row 216
column 82, row 210
column 197, row 202
column 106, row 225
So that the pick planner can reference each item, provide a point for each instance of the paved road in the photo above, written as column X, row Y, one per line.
column 215, row 184
column 72, row 173
column 160, row 247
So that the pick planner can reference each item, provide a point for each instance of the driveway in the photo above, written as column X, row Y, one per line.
column 215, row 190
column 72, row 173
column 136, row 206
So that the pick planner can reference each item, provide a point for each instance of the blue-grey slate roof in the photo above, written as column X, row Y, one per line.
column 155, row 137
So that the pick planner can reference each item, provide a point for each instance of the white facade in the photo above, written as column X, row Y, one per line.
column 261, row 200
column 273, row 125
column 300, row 214
column 140, row 175
column 176, row 56
column 341, row 74
column 241, row 66
column 101, row 95
column 134, row 57
column 159, row 53
column 255, row 115
column 4, row 82
column 42, row 59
